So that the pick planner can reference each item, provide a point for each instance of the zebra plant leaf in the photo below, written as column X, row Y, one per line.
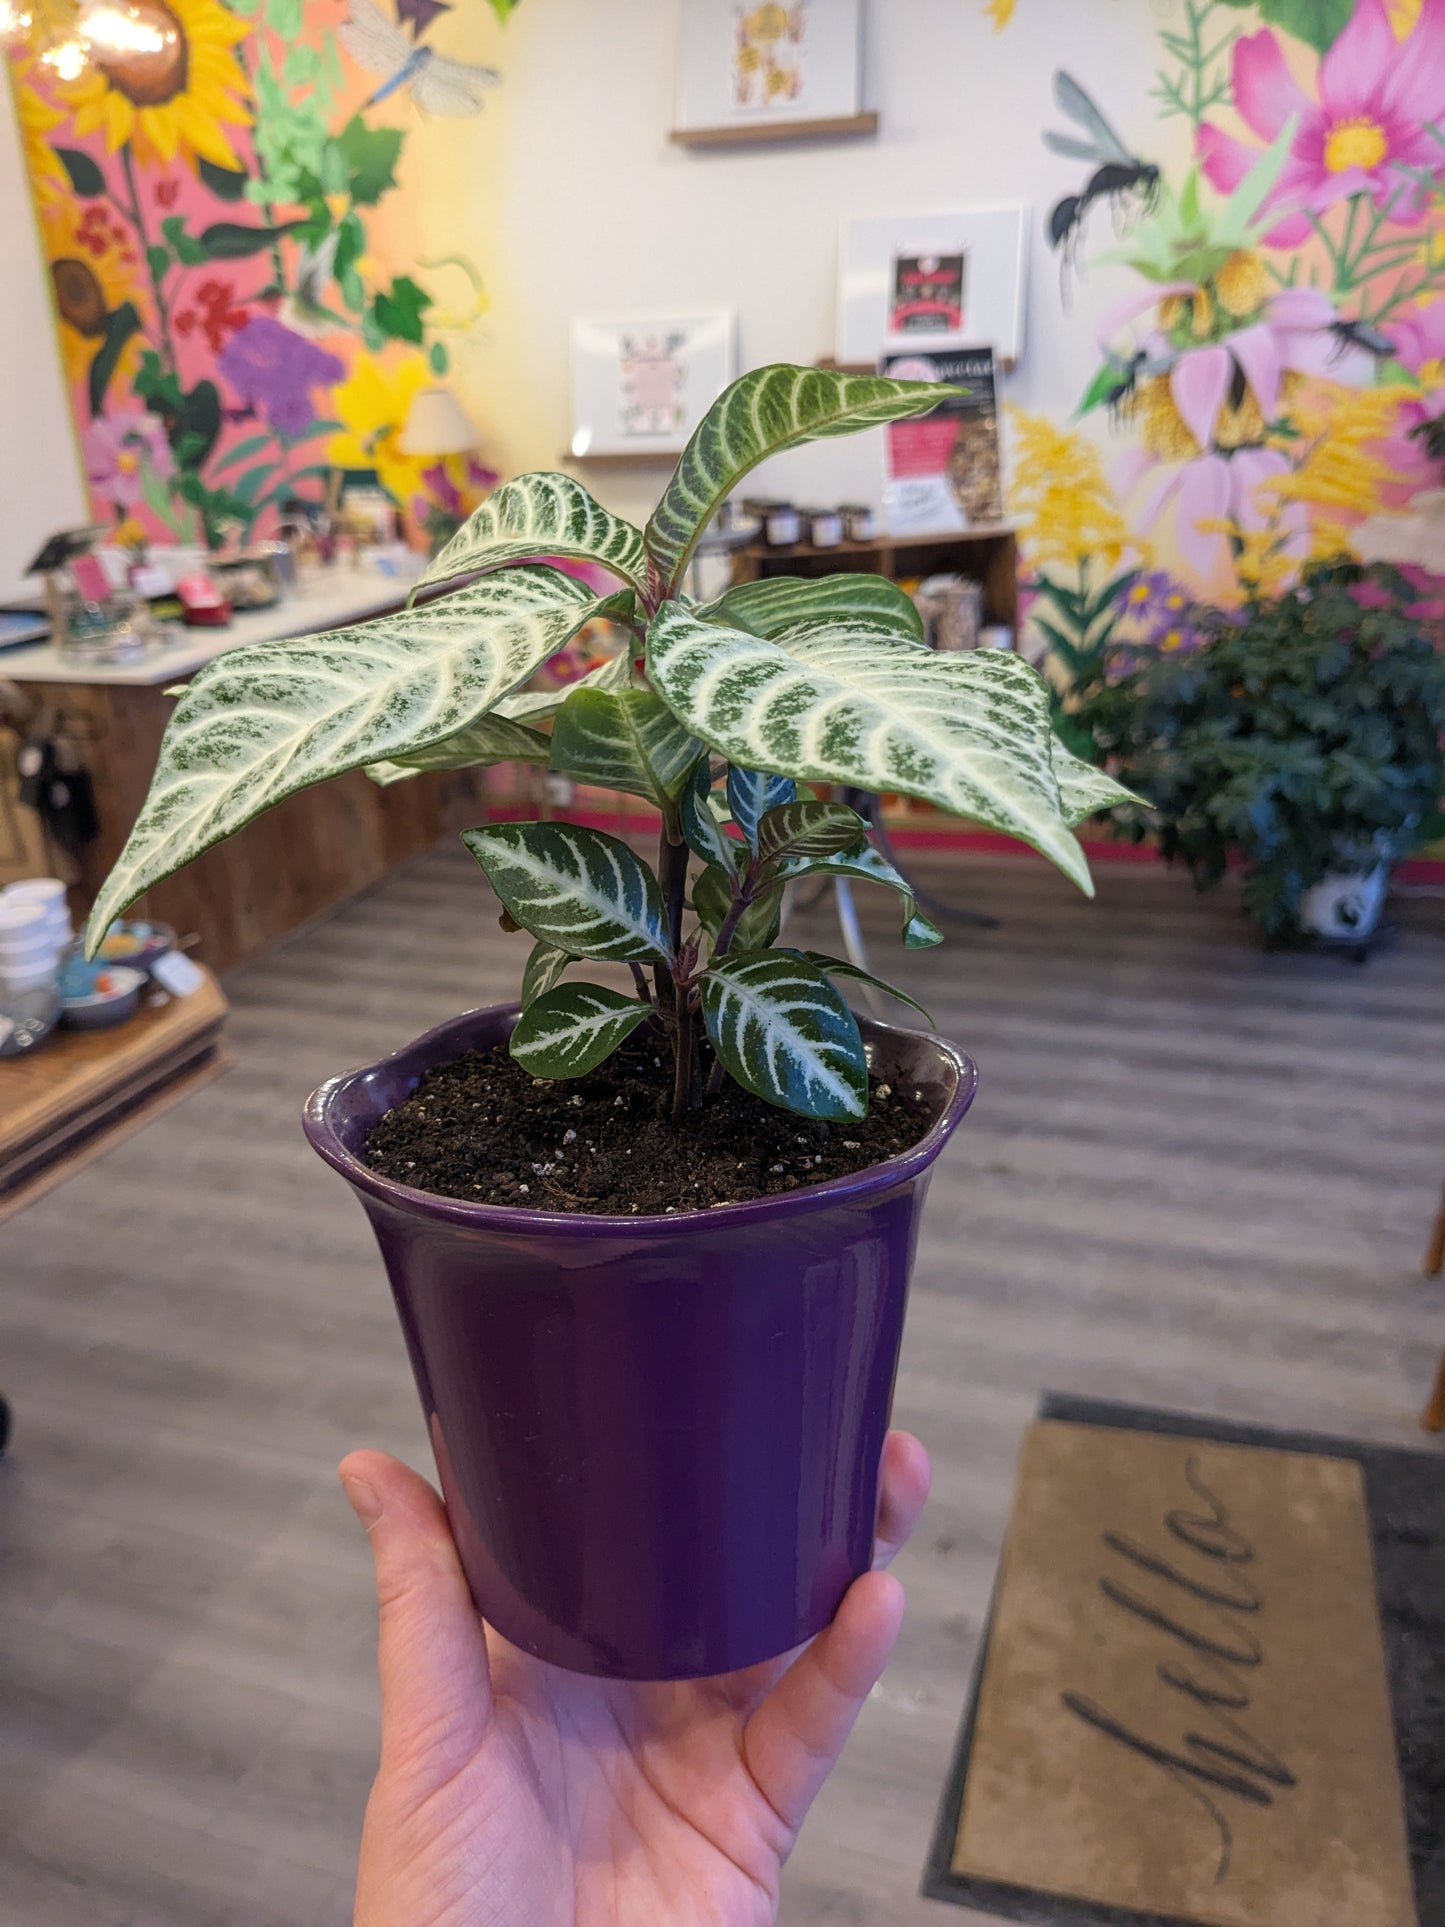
column 782, row 602
column 785, row 1034
column 701, row 826
column 1084, row 790
column 843, row 702
column 544, row 969
column 836, row 967
column 491, row 739
column 766, row 411
column 533, row 706
column 751, row 794
column 865, row 866
column 571, row 1030
column 630, row 742
column 267, row 719
column 712, row 899
column 579, row 889
column 537, row 516
column 809, row 829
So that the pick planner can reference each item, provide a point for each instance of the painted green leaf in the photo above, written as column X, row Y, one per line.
column 233, row 240
column 247, row 487
column 785, row 1034
column 751, row 794
column 1318, row 23
column 712, row 900
column 542, row 515
column 226, row 183
column 243, row 451
column 841, row 702
column 85, row 177
column 540, row 705
column 370, row 155
column 866, row 866
column 629, row 742
column 571, row 1030
column 781, row 602
column 544, row 969
column 810, row 829
column 701, row 826
column 1085, row 789
column 837, row 967
column 187, row 249
column 120, row 324
column 766, row 411
column 491, row 739
column 580, row 889
column 400, row 308
column 266, row 719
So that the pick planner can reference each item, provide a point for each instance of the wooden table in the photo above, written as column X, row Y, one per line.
column 84, row 1091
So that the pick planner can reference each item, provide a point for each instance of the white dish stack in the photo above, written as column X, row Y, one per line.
column 35, row 933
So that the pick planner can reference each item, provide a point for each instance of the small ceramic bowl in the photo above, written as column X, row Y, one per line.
column 136, row 945
column 103, row 995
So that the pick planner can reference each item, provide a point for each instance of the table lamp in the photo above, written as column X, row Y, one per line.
column 437, row 424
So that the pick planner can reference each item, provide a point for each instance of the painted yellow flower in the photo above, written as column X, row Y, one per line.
column 1339, row 468
column 1061, row 497
column 372, row 404
column 1000, row 12
column 94, row 269
column 38, row 120
column 163, row 76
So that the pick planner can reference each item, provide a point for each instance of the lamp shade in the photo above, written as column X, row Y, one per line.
column 437, row 424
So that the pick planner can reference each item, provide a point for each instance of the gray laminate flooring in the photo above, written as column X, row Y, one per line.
column 1197, row 1176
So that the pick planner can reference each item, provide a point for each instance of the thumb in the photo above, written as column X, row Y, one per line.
column 436, row 1694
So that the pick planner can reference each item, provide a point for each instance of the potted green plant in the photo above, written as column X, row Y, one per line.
column 1298, row 737
column 649, row 1245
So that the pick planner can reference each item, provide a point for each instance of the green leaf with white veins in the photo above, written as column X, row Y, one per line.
column 491, row 739
column 570, row 1031
column 810, row 829
column 534, row 706
column 631, row 742
column 262, row 721
column 702, row 827
column 1084, row 789
column 541, row 515
column 835, row 967
column 580, row 889
column 544, row 969
column 865, row 866
column 843, row 702
column 751, row 794
column 785, row 1034
column 781, row 602
column 766, row 411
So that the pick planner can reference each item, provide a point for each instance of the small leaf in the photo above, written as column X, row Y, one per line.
column 784, row 1033
column 370, row 155
column 629, row 742
column 542, row 515
column 751, row 794
column 120, row 325
column 810, row 829
column 836, row 967
column 85, row 177
column 226, row 183
column 540, row 705
column 158, row 260
column 243, row 451
column 780, row 602
column 489, row 740
column 1318, row 23
column 571, row 1030
column 712, row 900
column 544, row 969
column 247, row 487
column 233, row 240
column 864, row 866
column 580, row 889
column 704, row 834
column 438, row 357
column 188, row 251
column 399, row 310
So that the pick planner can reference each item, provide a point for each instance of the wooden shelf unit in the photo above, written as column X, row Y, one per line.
column 987, row 555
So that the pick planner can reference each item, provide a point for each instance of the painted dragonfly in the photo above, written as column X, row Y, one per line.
column 436, row 83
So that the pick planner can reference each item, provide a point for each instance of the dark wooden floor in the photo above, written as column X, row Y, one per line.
column 1197, row 1176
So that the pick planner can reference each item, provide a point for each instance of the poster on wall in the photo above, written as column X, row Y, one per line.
column 642, row 383
column 959, row 275
column 943, row 472
column 744, row 65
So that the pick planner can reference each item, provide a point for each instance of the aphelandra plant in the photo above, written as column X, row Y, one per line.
column 738, row 701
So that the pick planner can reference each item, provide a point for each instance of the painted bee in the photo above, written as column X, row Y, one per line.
column 1117, row 173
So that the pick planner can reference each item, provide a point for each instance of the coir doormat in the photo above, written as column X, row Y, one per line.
column 1212, row 1688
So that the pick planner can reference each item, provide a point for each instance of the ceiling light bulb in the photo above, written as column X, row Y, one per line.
column 67, row 59
column 119, row 30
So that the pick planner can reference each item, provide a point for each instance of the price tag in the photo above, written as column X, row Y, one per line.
column 177, row 974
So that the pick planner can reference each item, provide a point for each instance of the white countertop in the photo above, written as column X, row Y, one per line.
column 328, row 599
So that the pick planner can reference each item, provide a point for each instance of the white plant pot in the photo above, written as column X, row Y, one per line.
column 1347, row 906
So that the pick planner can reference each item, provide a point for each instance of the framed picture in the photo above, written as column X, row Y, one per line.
column 943, row 471
column 915, row 280
column 642, row 383
column 756, row 66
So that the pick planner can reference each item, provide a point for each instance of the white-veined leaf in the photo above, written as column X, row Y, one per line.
column 751, row 794
column 785, row 1034
column 809, row 829
column 1084, row 790
column 262, row 721
column 537, row 516
column 765, row 411
column 571, row 1030
column 836, row 967
column 702, row 827
column 544, row 969
column 841, row 702
column 533, row 706
column 491, row 739
column 712, row 899
column 582, row 890
column 866, row 866
column 630, row 742
column 781, row 602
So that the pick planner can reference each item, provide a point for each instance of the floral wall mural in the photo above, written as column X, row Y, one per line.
column 206, row 177
column 1268, row 375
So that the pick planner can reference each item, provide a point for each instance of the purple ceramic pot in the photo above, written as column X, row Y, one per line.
column 658, row 1438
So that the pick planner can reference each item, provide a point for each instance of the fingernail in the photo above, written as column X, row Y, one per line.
column 365, row 1502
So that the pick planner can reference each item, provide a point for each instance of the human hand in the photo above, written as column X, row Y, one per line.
column 513, row 1794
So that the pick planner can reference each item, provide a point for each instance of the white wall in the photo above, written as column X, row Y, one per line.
column 40, row 478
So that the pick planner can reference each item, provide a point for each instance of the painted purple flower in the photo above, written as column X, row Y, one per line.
column 1153, row 604
column 275, row 369
column 1378, row 98
column 117, row 447
column 1419, row 335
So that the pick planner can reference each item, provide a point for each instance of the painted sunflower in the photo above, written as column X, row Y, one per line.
column 94, row 269
column 167, row 84
column 38, row 120
column 372, row 405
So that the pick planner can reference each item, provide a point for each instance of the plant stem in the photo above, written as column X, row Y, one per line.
column 672, row 854
column 639, row 977
column 682, row 1060
column 137, row 216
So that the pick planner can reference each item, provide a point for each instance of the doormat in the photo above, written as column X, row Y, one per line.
column 1211, row 1692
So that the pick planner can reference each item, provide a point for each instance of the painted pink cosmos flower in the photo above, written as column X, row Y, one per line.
column 1419, row 335
column 117, row 447
column 1199, row 497
column 1378, row 97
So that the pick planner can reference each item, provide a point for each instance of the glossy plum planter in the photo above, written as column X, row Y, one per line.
column 658, row 1438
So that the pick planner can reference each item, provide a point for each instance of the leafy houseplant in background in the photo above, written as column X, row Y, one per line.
column 1300, row 737
column 607, row 1376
